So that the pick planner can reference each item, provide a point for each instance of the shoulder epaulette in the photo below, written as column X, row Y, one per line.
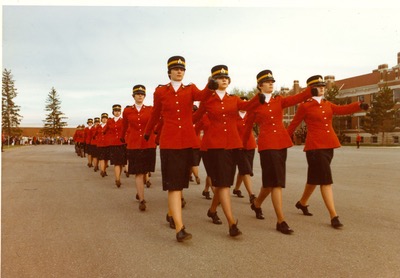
column 127, row 106
column 190, row 84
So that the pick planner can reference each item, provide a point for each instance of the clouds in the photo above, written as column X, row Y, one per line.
column 94, row 55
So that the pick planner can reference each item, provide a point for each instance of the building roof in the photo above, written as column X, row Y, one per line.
column 359, row 81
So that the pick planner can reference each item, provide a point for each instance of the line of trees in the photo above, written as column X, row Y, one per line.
column 52, row 125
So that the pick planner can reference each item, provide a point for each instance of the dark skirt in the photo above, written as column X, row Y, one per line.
column 103, row 153
column 141, row 161
column 95, row 151
column 90, row 149
column 175, row 168
column 273, row 166
column 196, row 157
column 118, row 155
column 245, row 162
column 220, row 165
column 319, row 166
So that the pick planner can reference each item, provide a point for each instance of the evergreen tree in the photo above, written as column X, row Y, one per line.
column 338, row 122
column 9, row 110
column 381, row 118
column 53, row 125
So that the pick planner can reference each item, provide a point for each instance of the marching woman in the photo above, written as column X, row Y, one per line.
column 174, row 103
column 117, row 148
column 93, row 144
column 88, row 138
column 273, row 141
column 321, row 139
column 221, row 143
column 201, row 123
column 103, row 145
column 141, row 153
column 246, row 156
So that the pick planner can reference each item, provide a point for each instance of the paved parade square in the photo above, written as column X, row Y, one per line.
column 61, row 219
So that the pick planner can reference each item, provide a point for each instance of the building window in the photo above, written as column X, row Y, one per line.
column 361, row 98
column 395, row 139
column 396, row 95
column 374, row 139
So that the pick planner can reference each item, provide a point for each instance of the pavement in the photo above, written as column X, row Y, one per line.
column 61, row 219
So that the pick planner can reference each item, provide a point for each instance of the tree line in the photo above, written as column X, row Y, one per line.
column 382, row 116
column 53, row 123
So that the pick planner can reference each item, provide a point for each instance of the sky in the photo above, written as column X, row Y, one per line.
column 94, row 54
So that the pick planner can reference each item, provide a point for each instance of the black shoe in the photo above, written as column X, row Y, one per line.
column 137, row 196
column 234, row 231
column 197, row 180
column 142, row 205
column 284, row 228
column 170, row 220
column 148, row 183
column 214, row 217
column 183, row 235
column 258, row 211
column 303, row 208
column 252, row 197
column 206, row 194
column 238, row 193
column 118, row 183
column 127, row 174
column 336, row 223
column 183, row 203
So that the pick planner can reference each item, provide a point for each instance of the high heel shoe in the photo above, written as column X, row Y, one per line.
column 206, row 194
column 170, row 220
column 258, row 211
column 284, row 228
column 336, row 223
column 234, row 230
column 304, row 209
column 183, row 235
column 214, row 217
column 238, row 193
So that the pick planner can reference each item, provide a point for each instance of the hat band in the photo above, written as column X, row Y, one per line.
column 223, row 71
column 265, row 75
column 139, row 89
column 315, row 81
column 180, row 62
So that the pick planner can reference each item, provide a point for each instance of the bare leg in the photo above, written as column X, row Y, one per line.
column 224, row 197
column 276, row 197
column 248, row 184
column 139, row 186
column 308, row 190
column 175, row 208
column 264, row 192
column 239, row 179
column 117, row 172
column 327, row 195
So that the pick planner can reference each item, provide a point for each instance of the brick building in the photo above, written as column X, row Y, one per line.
column 361, row 87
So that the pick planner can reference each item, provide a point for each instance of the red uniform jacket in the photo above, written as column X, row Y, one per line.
column 136, row 122
column 114, row 132
column 175, row 108
column 94, row 135
column 88, row 134
column 222, row 132
column 249, row 142
column 318, row 118
column 102, row 140
column 79, row 136
column 269, row 117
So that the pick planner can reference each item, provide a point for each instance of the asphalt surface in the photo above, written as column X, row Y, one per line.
column 61, row 219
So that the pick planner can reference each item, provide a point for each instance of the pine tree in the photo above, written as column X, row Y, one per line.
column 53, row 125
column 338, row 122
column 381, row 118
column 9, row 110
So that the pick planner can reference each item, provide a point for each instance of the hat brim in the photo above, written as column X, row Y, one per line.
column 266, row 79
column 177, row 66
